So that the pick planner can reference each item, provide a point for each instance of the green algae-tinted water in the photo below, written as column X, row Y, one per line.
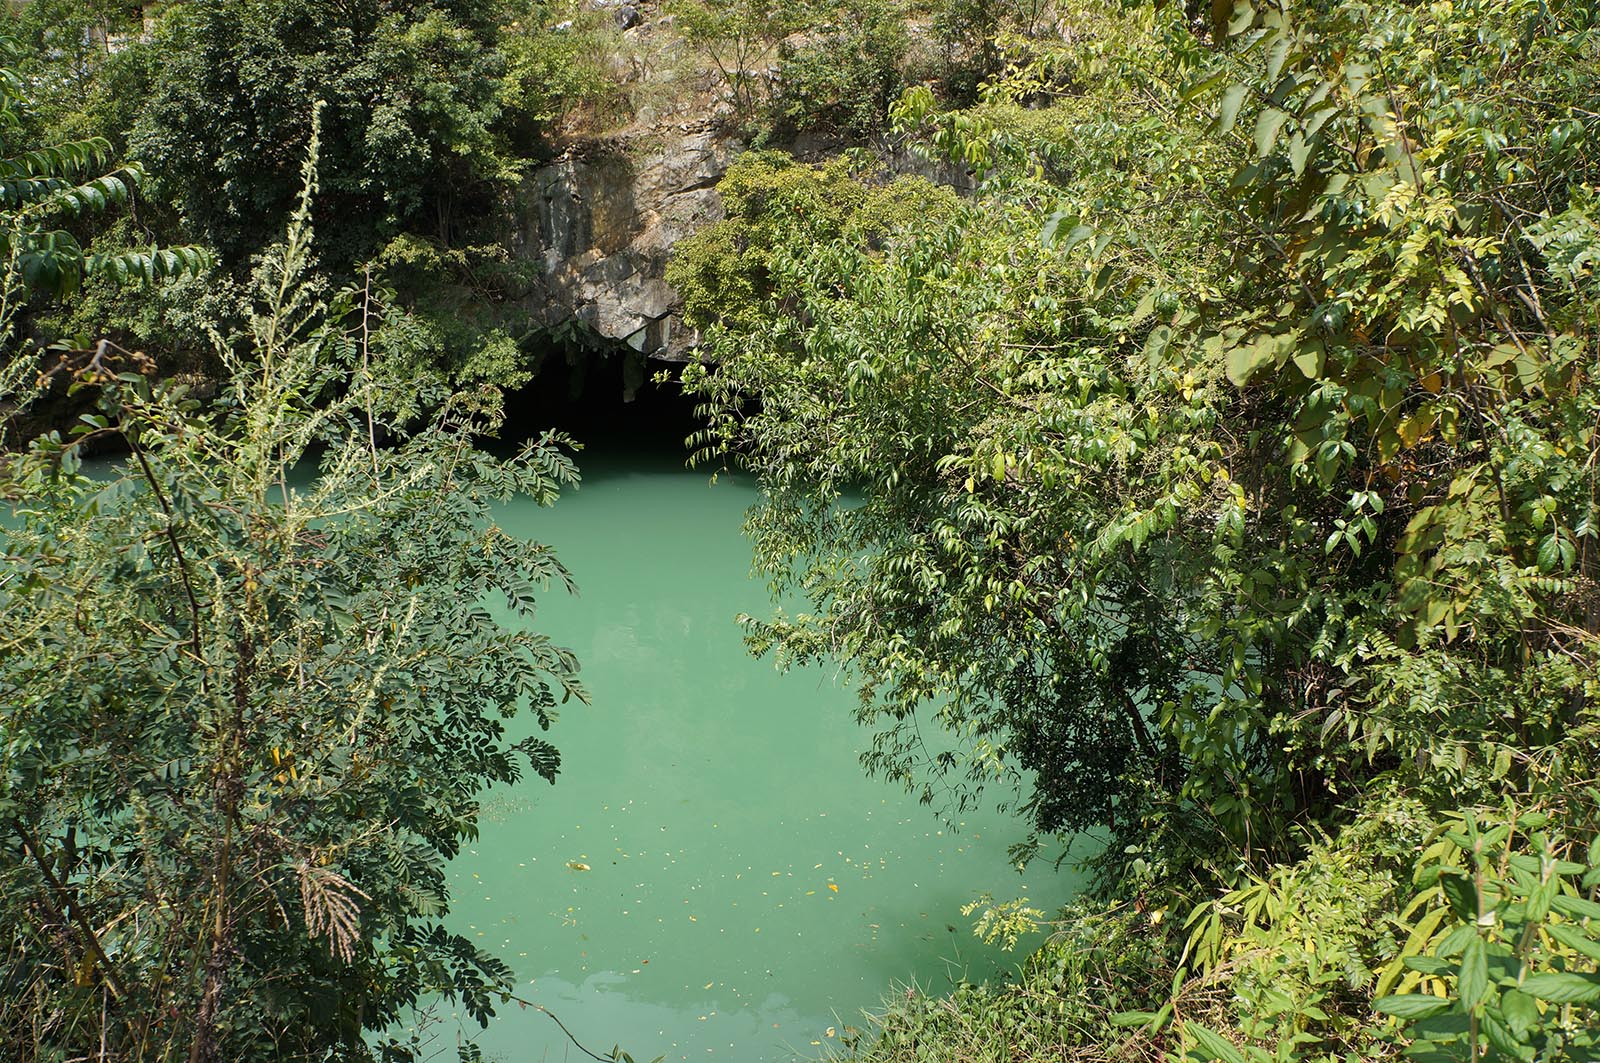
column 749, row 891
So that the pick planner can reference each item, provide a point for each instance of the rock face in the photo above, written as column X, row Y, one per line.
column 602, row 220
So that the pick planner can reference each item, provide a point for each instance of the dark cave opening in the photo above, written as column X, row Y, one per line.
column 588, row 396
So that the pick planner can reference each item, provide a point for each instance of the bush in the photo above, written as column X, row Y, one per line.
column 839, row 83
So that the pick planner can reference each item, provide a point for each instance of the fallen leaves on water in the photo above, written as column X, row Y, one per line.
column 577, row 865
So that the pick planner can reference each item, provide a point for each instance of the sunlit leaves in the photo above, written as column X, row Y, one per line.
column 1256, row 404
column 253, row 762
column 1502, row 950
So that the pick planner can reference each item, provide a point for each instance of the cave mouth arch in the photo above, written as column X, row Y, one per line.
column 598, row 398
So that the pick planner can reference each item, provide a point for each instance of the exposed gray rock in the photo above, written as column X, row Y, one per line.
column 602, row 221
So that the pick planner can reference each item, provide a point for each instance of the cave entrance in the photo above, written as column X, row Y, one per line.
column 608, row 400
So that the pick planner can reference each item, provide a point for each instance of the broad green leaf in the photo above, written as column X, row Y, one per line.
column 1411, row 1005
column 1574, row 938
column 1308, row 359
column 1563, row 988
column 1473, row 978
column 1503, row 1039
column 1228, row 110
column 1212, row 1045
column 1521, row 1013
column 1299, row 153
column 1428, row 964
column 1461, row 893
column 1277, row 53
column 1268, row 124
column 1576, row 907
column 1549, row 556
column 1245, row 360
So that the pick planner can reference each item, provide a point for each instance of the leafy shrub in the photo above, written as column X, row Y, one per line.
column 1227, row 463
column 248, row 719
column 771, row 202
column 1060, row 1004
column 1511, row 971
column 738, row 38
column 838, row 83
column 559, row 76
column 1300, row 950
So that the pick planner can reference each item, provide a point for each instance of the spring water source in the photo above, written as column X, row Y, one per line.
column 712, row 876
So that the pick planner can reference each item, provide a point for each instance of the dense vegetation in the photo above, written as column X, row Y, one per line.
column 247, row 719
column 1227, row 469
column 1223, row 463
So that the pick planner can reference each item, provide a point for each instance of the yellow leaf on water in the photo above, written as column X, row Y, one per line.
column 832, row 887
column 577, row 865
column 830, row 1032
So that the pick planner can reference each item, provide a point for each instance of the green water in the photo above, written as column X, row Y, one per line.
column 749, row 891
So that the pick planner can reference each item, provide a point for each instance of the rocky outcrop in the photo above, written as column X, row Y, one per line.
column 602, row 220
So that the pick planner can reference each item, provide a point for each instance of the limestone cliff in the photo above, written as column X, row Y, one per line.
column 602, row 218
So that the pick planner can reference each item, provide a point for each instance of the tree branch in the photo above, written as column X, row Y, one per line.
column 73, row 908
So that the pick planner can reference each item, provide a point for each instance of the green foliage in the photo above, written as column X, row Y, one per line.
column 1095, row 555
column 1512, row 963
column 172, row 316
column 1059, row 1005
column 49, row 185
column 460, row 305
column 434, row 114
column 250, row 711
column 68, row 51
column 1301, row 950
column 839, row 83
column 971, row 36
column 44, row 189
column 738, row 38
column 554, row 74
column 1224, row 472
column 724, row 273
column 1002, row 921
column 410, row 130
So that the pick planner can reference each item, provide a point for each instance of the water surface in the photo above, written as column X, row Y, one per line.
column 748, row 891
